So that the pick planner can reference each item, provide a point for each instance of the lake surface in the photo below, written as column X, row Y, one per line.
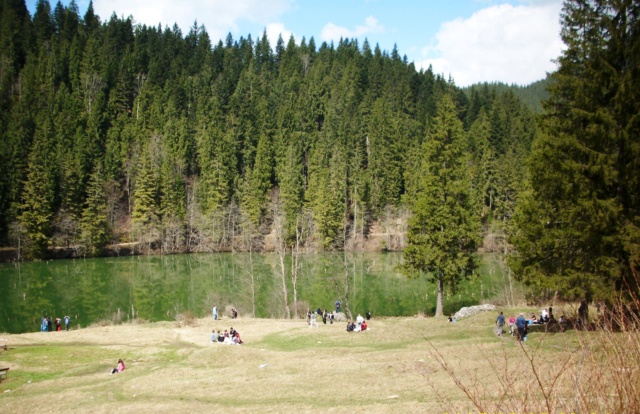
column 159, row 287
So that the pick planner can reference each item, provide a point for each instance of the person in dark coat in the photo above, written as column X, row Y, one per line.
column 521, row 324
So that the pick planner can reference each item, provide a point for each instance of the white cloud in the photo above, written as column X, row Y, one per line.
column 511, row 44
column 277, row 29
column 334, row 32
column 218, row 16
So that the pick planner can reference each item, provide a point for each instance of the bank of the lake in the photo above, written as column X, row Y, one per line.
column 156, row 288
column 284, row 366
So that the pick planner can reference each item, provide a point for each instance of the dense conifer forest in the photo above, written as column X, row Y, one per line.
column 120, row 133
column 117, row 134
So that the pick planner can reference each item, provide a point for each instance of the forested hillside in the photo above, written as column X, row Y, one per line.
column 532, row 95
column 118, row 133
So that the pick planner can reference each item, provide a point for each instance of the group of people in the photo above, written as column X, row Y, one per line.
column 47, row 324
column 326, row 316
column 230, row 337
column 214, row 313
column 518, row 326
column 359, row 325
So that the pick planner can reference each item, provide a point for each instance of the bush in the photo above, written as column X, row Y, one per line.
column 185, row 318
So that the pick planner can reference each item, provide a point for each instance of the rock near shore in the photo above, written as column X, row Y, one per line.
column 472, row 310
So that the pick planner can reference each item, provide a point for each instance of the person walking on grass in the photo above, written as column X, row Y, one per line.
column 521, row 324
column 512, row 325
column 313, row 321
column 500, row 323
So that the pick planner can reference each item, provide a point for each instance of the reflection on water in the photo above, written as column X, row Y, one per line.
column 157, row 287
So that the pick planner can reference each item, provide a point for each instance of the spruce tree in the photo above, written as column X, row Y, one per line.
column 443, row 230
column 38, row 195
column 578, row 224
column 94, row 229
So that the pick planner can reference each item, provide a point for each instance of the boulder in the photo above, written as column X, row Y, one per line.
column 472, row 310
column 339, row 317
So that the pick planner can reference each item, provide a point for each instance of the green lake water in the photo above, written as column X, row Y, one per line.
column 157, row 287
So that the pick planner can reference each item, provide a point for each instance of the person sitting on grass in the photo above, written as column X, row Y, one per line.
column 119, row 368
column 236, row 338
column 351, row 326
column 363, row 326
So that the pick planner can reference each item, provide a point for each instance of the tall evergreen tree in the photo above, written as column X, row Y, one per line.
column 579, row 224
column 94, row 225
column 39, row 194
column 145, row 214
column 443, row 230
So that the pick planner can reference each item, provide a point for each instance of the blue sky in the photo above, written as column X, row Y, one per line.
column 512, row 41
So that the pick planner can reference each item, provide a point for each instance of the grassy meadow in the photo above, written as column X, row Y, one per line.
column 399, row 365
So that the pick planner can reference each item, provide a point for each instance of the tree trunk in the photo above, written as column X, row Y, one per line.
column 295, row 256
column 345, row 301
column 440, row 293
column 281, row 248
column 253, row 282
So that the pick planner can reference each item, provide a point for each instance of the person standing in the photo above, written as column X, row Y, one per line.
column 583, row 314
column 67, row 322
column 512, row 325
column 214, row 313
column 49, row 324
column 521, row 324
column 338, row 304
column 313, row 321
column 500, row 323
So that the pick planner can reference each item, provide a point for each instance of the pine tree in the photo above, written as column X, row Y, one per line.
column 94, row 229
column 39, row 195
column 578, row 225
column 258, row 181
column 145, row 214
column 443, row 231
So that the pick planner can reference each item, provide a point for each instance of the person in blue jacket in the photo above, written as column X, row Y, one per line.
column 521, row 324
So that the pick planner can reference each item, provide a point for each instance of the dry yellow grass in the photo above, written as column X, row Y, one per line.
column 284, row 366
